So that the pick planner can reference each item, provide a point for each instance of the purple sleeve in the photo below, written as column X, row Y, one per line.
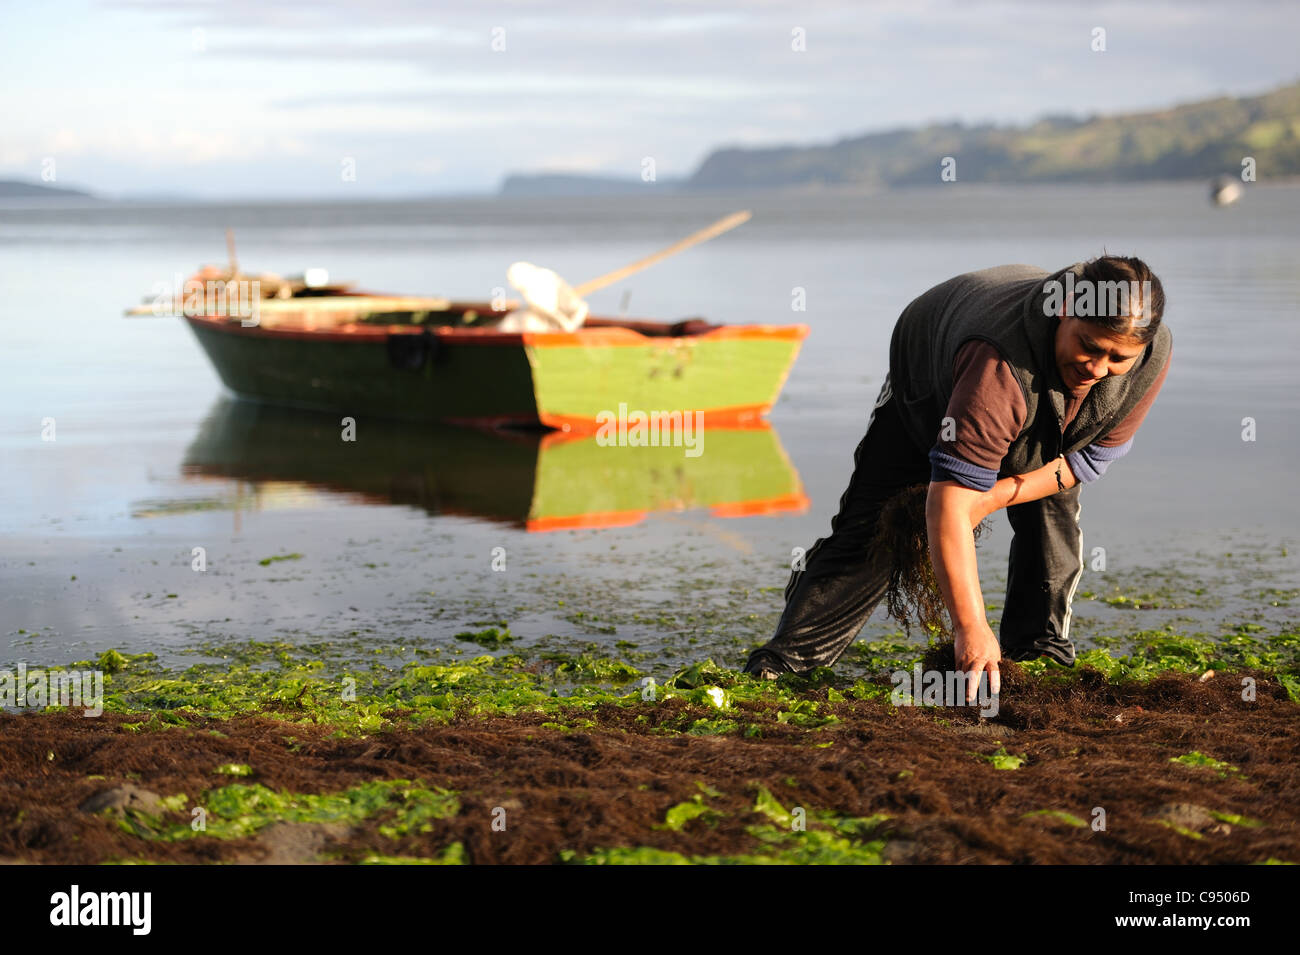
column 945, row 467
column 1091, row 462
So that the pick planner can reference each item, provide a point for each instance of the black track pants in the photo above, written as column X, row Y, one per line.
column 842, row 582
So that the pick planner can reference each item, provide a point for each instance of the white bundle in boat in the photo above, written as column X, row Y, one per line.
column 551, row 304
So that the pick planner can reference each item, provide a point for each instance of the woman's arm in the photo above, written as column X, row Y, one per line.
column 951, row 513
column 1023, row 488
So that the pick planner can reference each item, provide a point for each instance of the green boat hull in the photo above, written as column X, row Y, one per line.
column 566, row 381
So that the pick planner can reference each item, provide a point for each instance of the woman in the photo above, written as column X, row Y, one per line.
column 1007, row 388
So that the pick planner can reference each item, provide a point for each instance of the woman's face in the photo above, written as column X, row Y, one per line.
column 1087, row 353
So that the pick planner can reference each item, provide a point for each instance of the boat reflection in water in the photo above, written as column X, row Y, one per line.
column 536, row 480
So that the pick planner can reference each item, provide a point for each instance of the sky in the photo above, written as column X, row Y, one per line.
column 333, row 99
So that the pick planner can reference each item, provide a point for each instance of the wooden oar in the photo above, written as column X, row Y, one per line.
column 323, row 305
column 725, row 224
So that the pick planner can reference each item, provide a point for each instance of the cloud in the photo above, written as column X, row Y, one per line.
column 287, row 87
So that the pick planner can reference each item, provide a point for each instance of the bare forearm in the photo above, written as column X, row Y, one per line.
column 950, row 517
column 1023, row 488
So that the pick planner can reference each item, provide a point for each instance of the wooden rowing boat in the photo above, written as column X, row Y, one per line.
column 435, row 360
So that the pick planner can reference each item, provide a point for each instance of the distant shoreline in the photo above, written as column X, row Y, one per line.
column 70, row 200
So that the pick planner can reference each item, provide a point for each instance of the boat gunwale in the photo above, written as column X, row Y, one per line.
column 613, row 334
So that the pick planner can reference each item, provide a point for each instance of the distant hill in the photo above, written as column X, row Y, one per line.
column 1193, row 141
column 576, row 184
column 1198, row 140
column 17, row 189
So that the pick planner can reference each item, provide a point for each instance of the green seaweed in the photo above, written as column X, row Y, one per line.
column 1292, row 686
column 491, row 639
column 676, row 818
column 1004, row 760
column 240, row 809
column 454, row 854
column 708, row 727
column 359, row 687
column 818, row 847
column 1181, row 830
column 1198, row 759
column 767, row 805
column 1058, row 814
column 1235, row 820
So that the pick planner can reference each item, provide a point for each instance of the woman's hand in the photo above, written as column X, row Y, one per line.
column 978, row 652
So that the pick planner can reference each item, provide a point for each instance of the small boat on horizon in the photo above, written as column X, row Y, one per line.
column 1225, row 190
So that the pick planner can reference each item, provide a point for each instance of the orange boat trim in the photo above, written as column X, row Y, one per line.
column 738, row 418
column 552, row 438
column 787, row 503
column 784, row 503
column 585, row 337
column 626, row 337
column 581, row 521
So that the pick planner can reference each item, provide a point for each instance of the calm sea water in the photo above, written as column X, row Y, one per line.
column 150, row 460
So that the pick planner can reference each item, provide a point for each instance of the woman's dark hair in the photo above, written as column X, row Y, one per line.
column 913, row 595
column 1135, row 274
